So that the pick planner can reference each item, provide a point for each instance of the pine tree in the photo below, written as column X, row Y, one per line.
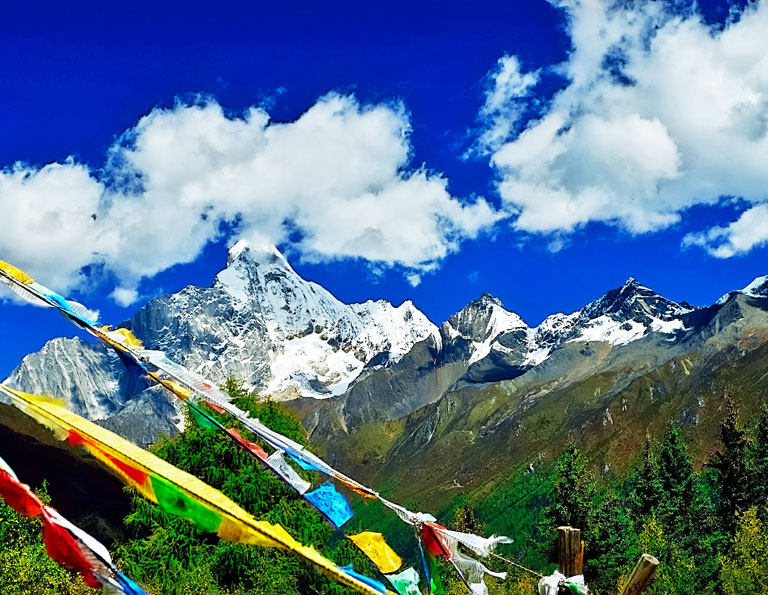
column 684, row 511
column 730, row 467
column 646, row 485
column 573, row 490
column 757, row 461
column 611, row 545
column 678, row 489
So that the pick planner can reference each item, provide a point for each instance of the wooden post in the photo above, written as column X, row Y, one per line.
column 641, row 575
column 570, row 551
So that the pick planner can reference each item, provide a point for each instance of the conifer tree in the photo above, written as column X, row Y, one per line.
column 730, row 467
column 677, row 485
column 645, row 483
column 573, row 490
column 684, row 511
column 611, row 545
column 757, row 461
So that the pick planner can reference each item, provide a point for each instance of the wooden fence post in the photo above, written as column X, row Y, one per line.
column 641, row 575
column 570, row 551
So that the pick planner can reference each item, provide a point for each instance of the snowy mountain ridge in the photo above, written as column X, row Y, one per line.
column 757, row 289
column 286, row 336
column 619, row 317
column 290, row 338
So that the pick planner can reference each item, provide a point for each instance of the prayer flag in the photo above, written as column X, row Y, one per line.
column 332, row 504
column 378, row 550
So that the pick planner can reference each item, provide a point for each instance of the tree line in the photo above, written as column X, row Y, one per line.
column 708, row 528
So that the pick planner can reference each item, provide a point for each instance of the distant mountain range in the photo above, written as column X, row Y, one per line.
column 393, row 397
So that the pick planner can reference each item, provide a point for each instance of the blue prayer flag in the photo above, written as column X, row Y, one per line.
column 330, row 503
column 300, row 460
column 364, row 579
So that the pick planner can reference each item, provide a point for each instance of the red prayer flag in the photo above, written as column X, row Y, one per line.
column 433, row 540
column 19, row 496
column 215, row 407
column 62, row 548
column 137, row 475
column 252, row 446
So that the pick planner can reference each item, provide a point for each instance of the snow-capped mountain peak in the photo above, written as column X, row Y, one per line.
column 484, row 322
column 483, row 319
column 633, row 301
column 261, row 321
column 251, row 252
column 628, row 313
column 757, row 289
column 261, row 279
column 620, row 316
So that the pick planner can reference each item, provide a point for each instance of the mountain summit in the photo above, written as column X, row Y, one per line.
column 757, row 289
column 263, row 323
column 619, row 317
column 291, row 339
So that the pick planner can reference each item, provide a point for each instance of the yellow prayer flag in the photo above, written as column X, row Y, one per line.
column 15, row 273
column 122, row 336
column 378, row 550
column 138, row 468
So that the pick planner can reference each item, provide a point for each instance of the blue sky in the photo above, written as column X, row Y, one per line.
column 430, row 151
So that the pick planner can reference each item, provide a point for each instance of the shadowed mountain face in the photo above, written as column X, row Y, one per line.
column 79, row 487
column 392, row 397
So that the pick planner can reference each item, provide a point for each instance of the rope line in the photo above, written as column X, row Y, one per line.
column 516, row 565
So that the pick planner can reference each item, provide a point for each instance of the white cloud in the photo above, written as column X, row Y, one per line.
column 333, row 184
column 414, row 279
column 749, row 231
column 124, row 296
column 660, row 112
column 502, row 108
column 47, row 220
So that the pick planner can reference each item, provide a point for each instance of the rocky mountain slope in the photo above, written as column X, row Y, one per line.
column 604, row 395
column 485, row 343
column 394, row 398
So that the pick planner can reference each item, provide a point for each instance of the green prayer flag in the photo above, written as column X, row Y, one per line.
column 201, row 418
column 174, row 501
column 405, row 582
column 435, row 582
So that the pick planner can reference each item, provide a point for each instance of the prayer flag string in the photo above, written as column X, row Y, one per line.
column 193, row 388
column 174, row 490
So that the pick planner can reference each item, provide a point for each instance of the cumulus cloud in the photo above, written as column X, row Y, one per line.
column 749, row 231
column 333, row 184
column 48, row 219
column 659, row 112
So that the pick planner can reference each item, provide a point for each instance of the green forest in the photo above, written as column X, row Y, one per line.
column 707, row 527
